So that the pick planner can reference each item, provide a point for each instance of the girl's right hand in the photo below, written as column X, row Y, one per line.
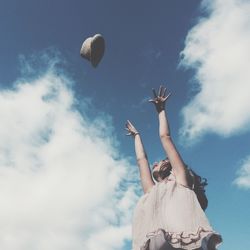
column 131, row 129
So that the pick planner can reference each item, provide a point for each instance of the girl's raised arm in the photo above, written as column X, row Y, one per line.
column 141, row 156
column 173, row 155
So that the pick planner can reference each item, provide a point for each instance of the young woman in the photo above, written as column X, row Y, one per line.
column 169, row 216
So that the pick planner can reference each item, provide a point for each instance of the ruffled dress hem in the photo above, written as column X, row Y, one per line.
column 185, row 240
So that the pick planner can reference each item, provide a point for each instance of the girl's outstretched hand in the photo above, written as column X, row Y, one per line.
column 160, row 99
column 131, row 129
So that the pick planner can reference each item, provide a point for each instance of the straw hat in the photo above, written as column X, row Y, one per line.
column 93, row 49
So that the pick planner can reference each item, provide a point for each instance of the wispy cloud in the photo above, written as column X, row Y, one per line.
column 150, row 53
column 218, row 50
column 141, row 103
column 63, row 183
column 243, row 179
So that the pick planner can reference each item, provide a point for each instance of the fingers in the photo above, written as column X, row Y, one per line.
column 151, row 100
column 167, row 97
column 129, row 133
column 128, row 129
column 161, row 93
column 160, row 90
column 130, row 126
column 155, row 95
column 129, row 123
column 164, row 92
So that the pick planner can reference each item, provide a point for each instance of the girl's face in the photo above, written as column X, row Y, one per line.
column 161, row 169
column 161, row 164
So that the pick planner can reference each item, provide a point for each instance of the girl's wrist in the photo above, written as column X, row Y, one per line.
column 160, row 111
column 136, row 133
column 160, row 108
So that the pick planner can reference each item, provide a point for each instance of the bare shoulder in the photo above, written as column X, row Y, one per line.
column 184, row 178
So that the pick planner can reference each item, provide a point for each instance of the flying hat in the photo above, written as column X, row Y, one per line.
column 93, row 49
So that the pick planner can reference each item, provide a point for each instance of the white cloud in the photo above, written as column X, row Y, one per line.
column 218, row 50
column 60, row 173
column 243, row 179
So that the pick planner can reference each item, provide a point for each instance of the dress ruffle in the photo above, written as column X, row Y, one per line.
column 185, row 240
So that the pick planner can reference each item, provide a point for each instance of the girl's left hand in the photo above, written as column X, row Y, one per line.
column 131, row 129
column 160, row 99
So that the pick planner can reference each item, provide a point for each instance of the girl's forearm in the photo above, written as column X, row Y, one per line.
column 163, row 124
column 139, row 148
column 142, row 161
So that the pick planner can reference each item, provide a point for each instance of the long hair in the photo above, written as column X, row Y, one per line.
column 199, row 184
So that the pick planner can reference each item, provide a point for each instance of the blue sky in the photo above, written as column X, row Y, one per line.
column 203, row 63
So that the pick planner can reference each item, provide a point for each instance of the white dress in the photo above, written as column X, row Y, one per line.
column 173, row 209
